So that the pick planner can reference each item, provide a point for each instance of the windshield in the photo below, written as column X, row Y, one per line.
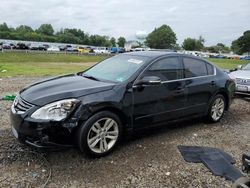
column 117, row 68
column 247, row 67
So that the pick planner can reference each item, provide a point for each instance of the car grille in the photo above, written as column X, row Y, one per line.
column 21, row 106
column 242, row 81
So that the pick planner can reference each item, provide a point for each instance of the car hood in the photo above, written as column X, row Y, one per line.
column 64, row 87
column 240, row 74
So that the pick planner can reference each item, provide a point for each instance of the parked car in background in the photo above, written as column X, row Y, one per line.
column 101, row 50
column 33, row 46
column 62, row 48
column 53, row 49
column 21, row 46
column 245, row 58
column 117, row 50
column 242, row 79
column 6, row 46
column 46, row 46
column 83, row 49
column 13, row 46
column 91, row 50
column 138, row 49
column 71, row 49
column 93, row 108
column 42, row 48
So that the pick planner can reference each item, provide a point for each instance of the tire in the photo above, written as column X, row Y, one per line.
column 100, row 134
column 216, row 109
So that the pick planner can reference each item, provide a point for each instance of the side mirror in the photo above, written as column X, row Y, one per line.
column 239, row 67
column 149, row 81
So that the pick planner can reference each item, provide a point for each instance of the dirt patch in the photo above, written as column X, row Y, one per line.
column 149, row 159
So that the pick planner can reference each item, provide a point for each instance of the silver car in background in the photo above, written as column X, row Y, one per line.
column 242, row 79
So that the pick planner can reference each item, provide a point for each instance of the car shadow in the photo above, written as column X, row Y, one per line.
column 146, row 133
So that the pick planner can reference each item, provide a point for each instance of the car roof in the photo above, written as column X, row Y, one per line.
column 152, row 54
column 158, row 54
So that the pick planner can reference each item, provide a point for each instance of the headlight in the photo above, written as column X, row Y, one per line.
column 56, row 111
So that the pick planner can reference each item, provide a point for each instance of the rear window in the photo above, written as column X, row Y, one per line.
column 194, row 67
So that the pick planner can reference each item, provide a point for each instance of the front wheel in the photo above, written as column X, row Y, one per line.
column 217, row 108
column 99, row 135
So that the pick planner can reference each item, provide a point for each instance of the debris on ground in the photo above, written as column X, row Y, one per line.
column 9, row 98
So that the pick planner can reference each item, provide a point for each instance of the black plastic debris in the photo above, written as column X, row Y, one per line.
column 217, row 161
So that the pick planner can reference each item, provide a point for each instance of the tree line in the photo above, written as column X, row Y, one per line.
column 162, row 37
column 46, row 33
column 165, row 38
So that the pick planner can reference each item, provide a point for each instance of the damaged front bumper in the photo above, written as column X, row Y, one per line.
column 42, row 134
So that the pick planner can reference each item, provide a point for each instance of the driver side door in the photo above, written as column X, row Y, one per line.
column 155, row 104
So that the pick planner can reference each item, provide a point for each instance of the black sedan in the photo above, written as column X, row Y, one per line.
column 92, row 109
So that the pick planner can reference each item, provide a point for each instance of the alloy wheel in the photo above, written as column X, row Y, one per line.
column 103, row 135
column 217, row 109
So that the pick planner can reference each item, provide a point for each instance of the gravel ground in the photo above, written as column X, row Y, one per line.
column 149, row 159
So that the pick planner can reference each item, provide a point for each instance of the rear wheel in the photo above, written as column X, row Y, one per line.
column 217, row 108
column 100, row 134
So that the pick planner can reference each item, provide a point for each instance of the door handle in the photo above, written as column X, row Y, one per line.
column 179, row 90
column 213, row 83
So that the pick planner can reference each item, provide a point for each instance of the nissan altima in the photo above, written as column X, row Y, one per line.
column 92, row 109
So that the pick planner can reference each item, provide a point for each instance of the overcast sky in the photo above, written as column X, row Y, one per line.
column 216, row 20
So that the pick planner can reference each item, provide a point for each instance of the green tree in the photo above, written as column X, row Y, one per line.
column 113, row 41
column 161, row 38
column 223, row 48
column 24, row 29
column 192, row 44
column 46, row 29
column 121, row 42
column 4, row 27
column 189, row 44
column 98, row 40
column 68, row 38
column 242, row 44
column 5, row 31
column 236, row 47
column 212, row 49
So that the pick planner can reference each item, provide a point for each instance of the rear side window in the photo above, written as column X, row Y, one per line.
column 210, row 69
column 194, row 67
column 167, row 69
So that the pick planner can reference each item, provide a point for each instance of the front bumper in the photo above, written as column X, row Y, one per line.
column 40, row 134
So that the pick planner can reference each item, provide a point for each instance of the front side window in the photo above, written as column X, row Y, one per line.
column 117, row 68
column 194, row 67
column 210, row 69
column 166, row 69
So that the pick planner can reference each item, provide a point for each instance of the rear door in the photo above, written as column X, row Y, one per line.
column 156, row 104
column 200, row 84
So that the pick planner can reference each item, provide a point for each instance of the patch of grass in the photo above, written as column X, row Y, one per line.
column 227, row 63
column 43, row 64
column 47, row 57
column 41, row 68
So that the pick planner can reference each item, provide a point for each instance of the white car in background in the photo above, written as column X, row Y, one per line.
column 101, row 50
column 242, row 79
column 53, row 49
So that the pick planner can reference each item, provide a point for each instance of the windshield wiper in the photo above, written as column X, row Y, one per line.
column 90, row 77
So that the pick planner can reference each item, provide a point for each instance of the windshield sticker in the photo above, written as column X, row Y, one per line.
column 136, row 61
